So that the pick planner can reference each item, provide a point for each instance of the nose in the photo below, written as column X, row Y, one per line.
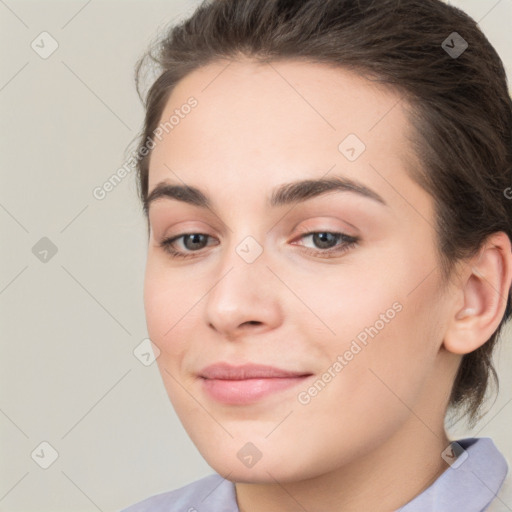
column 244, row 297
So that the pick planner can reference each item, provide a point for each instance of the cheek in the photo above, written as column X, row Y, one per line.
column 384, row 320
column 357, row 301
column 169, row 308
column 384, row 364
column 170, row 311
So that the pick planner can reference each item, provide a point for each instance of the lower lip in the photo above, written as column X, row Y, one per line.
column 240, row 392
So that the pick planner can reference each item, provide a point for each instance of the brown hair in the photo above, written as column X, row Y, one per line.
column 461, row 111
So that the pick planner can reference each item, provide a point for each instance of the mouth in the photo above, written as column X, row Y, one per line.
column 240, row 385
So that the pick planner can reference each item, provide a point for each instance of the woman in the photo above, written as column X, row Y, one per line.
column 329, row 259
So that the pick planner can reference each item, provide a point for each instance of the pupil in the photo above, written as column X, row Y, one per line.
column 196, row 239
column 324, row 240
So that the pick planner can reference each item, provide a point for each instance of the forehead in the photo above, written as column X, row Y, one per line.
column 269, row 123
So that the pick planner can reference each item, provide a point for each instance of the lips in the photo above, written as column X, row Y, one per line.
column 244, row 385
column 226, row 371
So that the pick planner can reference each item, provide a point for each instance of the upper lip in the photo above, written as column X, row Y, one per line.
column 226, row 371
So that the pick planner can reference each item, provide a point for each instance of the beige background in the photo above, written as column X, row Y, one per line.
column 70, row 325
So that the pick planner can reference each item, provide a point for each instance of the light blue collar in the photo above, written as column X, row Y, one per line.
column 468, row 485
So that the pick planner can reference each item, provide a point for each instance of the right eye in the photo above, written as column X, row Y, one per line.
column 192, row 242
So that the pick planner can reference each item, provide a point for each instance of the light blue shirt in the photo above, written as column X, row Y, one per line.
column 470, row 484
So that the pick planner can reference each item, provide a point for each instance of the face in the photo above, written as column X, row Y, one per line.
column 337, row 285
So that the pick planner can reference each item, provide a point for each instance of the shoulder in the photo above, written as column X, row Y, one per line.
column 503, row 500
column 211, row 493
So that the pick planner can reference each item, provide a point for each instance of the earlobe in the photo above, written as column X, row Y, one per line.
column 485, row 288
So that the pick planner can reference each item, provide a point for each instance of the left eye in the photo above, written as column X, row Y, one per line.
column 329, row 243
column 324, row 239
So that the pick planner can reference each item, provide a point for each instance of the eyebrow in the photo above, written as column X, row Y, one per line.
column 288, row 193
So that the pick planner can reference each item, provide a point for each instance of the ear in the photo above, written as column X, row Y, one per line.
column 482, row 296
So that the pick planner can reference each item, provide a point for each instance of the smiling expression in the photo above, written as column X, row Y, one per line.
column 284, row 224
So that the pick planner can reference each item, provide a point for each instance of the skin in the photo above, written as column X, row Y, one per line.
column 372, row 438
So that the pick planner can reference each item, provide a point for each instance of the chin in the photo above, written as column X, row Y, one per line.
column 271, row 467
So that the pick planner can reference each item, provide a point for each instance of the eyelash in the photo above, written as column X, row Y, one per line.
column 349, row 242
